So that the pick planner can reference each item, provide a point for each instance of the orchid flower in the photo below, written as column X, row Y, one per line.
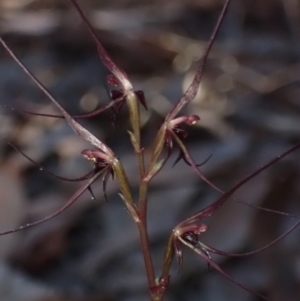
column 105, row 161
column 188, row 231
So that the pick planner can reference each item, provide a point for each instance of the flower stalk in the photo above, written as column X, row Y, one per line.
column 171, row 135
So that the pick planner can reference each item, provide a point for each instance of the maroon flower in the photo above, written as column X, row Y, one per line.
column 169, row 132
column 188, row 231
column 174, row 129
column 101, row 163
column 119, row 96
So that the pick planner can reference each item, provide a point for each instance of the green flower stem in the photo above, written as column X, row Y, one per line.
column 168, row 258
column 123, row 182
column 134, row 115
column 158, row 145
column 145, row 246
column 141, row 222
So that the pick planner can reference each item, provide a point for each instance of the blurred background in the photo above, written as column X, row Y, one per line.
column 249, row 105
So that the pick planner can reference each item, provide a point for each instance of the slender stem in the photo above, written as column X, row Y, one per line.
column 168, row 257
column 145, row 245
column 134, row 114
column 143, row 199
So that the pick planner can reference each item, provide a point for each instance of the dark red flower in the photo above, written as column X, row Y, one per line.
column 174, row 130
column 120, row 95
column 188, row 231
column 101, row 163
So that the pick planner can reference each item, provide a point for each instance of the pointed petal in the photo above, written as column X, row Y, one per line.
column 222, row 253
column 211, row 209
column 106, row 59
column 42, row 168
column 31, row 112
column 91, row 192
column 77, row 128
column 141, row 97
column 192, row 90
column 218, row 268
column 104, row 183
column 222, row 272
column 178, row 252
column 266, row 209
column 192, row 163
column 181, row 156
column 59, row 211
column 83, row 116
